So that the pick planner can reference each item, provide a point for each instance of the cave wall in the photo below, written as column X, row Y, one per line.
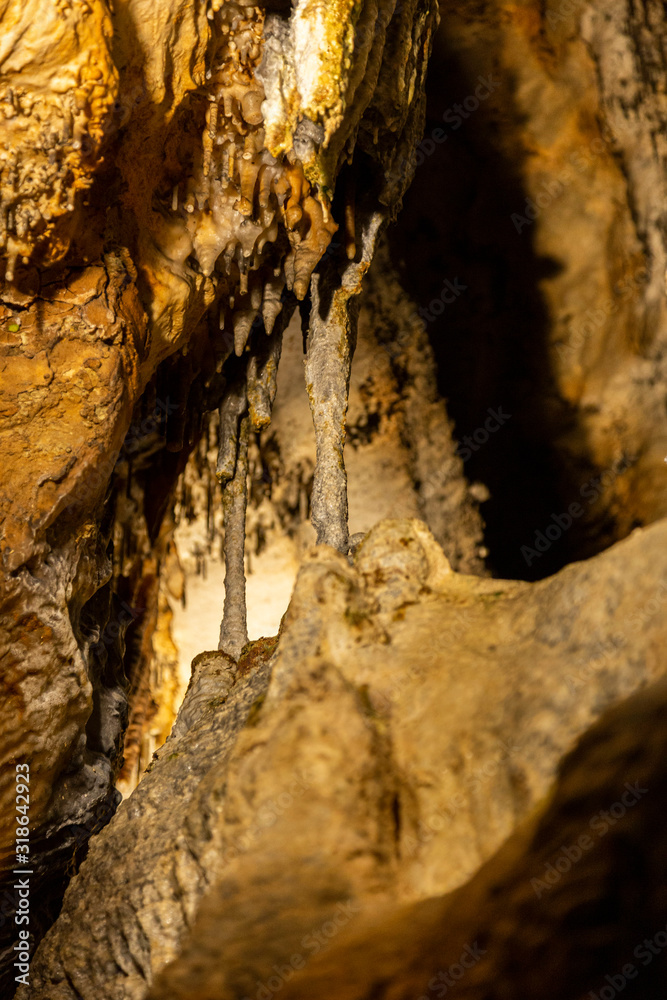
column 126, row 308
column 539, row 187
column 400, row 456
column 406, row 723
column 154, row 215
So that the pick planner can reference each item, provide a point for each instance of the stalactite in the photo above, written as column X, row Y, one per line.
column 328, row 359
column 234, row 627
column 51, row 134
column 232, row 407
column 262, row 379
column 232, row 473
column 252, row 220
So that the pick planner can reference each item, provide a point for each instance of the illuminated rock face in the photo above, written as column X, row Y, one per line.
column 171, row 173
column 407, row 720
column 249, row 218
column 58, row 85
column 165, row 197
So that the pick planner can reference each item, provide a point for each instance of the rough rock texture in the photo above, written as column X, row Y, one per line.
column 540, row 188
column 409, row 719
column 157, row 689
column 400, row 456
column 171, row 176
column 150, row 229
column 573, row 905
column 58, row 87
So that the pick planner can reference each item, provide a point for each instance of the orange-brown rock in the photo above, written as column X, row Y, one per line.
column 539, row 183
column 407, row 722
column 145, row 227
column 171, row 182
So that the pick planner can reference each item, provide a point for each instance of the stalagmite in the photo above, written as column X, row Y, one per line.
column 234, row 627
column 232, row 472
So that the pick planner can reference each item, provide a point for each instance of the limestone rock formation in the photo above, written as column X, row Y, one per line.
column 58, row 87
column 178, row 182
column 539, row 185
column 149, row 215
column 409, row 719
column 561, row 910
column 400, row 456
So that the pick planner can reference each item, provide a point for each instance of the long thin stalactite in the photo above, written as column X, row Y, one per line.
column 234, row 627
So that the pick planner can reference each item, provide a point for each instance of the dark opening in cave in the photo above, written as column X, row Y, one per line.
column 489, row 334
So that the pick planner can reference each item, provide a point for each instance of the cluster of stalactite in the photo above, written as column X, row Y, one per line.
column 244, row 217
column 253, row 221
column 256, row 226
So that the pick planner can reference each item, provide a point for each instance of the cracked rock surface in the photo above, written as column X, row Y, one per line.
column 408, row 721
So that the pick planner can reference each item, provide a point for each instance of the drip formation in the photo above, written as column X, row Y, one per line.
column 253, row 221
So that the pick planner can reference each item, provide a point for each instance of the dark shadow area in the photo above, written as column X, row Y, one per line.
column 475, row 280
